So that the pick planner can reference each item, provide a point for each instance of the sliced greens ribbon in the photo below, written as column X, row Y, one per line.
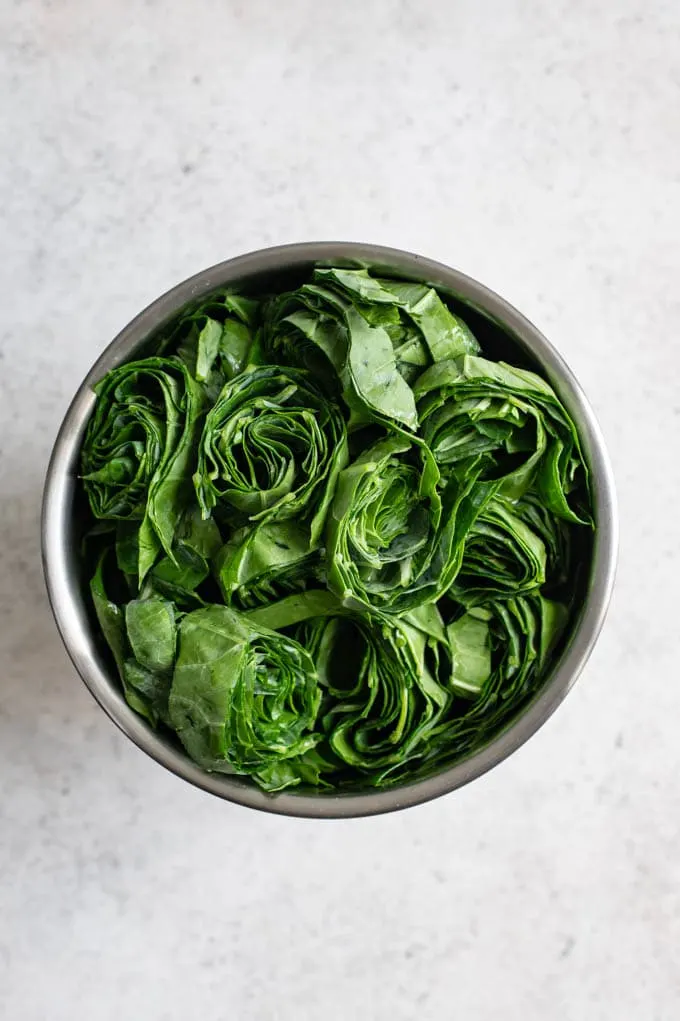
column 321, row 329
column 395, row 538
column 139, row 451
column 244, row 699
column 382, row 692
column 502, row 557
column 471, row 407
column 271, row 450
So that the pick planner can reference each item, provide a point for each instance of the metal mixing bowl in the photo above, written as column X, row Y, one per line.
column 283, row 267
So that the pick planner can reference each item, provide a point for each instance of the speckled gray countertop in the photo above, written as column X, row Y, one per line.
column 537, row 147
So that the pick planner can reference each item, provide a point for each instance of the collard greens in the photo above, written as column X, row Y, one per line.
column 331, row 543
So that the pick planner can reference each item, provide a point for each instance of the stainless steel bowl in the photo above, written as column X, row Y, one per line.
column 277, row 267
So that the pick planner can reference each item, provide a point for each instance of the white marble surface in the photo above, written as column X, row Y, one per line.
column 537, row 147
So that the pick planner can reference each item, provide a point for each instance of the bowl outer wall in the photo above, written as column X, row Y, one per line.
column 60, row 559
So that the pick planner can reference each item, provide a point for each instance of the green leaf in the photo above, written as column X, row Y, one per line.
column 271, row 450
column 382, row 698
column 445, row 335
column 208, row 347
column 472, row 407
column 144, row 693
column 197, row 541
column 234, row 347
column 394, row 540
column 320, row 329
column 259, row 565
column 295, row 608
column 151, row 631
column 108, row 614
column 373, row 371
column 179, row 579
column 470, row 643
column 139, row 450
column 246, row 309
column 244, row 699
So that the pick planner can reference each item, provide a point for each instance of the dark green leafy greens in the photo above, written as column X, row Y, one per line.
column 244, row 699
column 331, row 544
column 271, row 450
column 392, row 536
column 138, row 448
column 385, row 690
column 513, row 420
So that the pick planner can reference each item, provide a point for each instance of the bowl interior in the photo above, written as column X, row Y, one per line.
column 504, row 335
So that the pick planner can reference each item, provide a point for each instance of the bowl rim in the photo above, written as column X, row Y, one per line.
column 65, row 594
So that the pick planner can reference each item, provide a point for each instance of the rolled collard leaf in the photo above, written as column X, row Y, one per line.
column 139, row 451
column 383, row 695
column 244, row 699
column 394, row 538
column 404, row 696
column 500, row 655
column 271, row 450
column 471, row 407
column 502, row 557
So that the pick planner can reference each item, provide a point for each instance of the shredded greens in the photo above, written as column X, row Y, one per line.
column 331, row 544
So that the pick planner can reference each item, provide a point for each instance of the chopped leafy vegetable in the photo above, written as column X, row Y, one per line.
column 320, row 328
column 385, row 689
column 244, row 699
column 271, row 450
column 392, row 532
column 332, row 544
column 138, row 448
column 514, row 420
